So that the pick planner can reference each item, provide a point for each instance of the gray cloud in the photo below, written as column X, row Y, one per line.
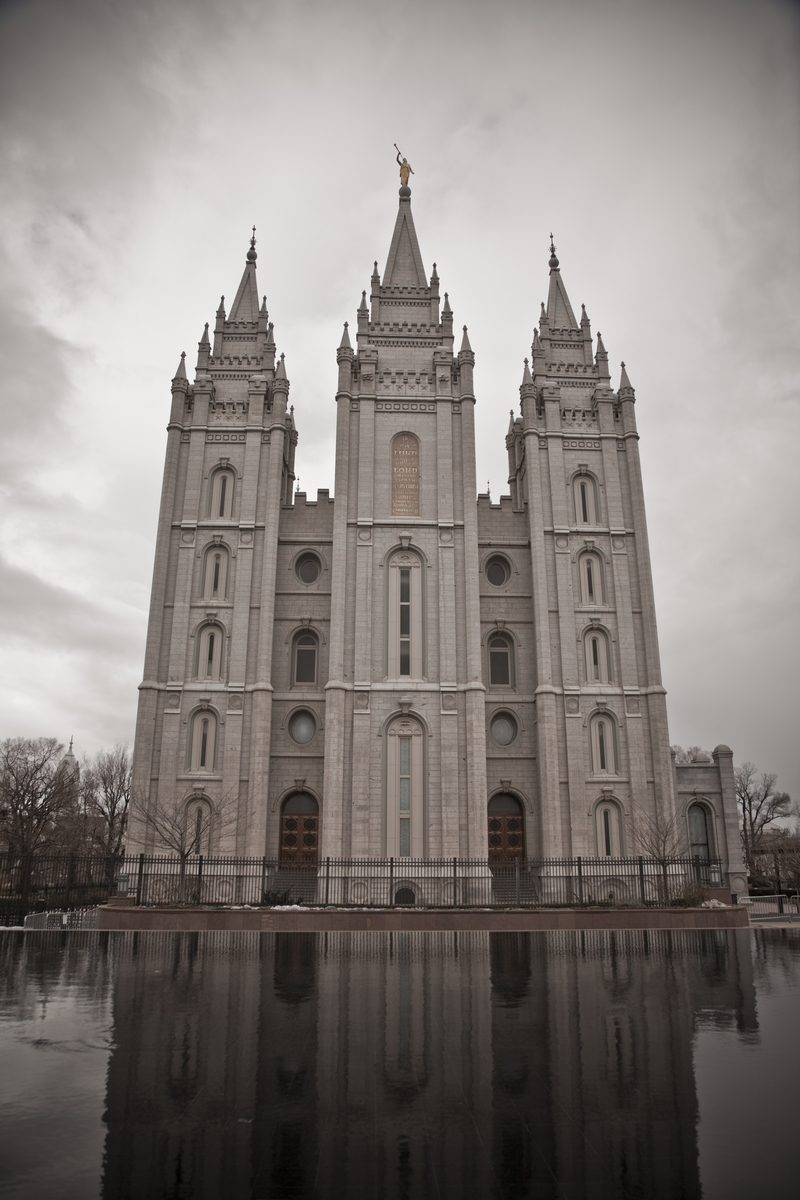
column 658, row 141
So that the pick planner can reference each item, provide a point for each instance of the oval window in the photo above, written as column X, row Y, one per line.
column 302, row 727
column 503, row 729
column 307, row 568
column 497, row 571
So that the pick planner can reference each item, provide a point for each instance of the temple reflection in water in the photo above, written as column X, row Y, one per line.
column 413, row 1065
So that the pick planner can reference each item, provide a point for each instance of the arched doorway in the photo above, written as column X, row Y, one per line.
column 506, row 828
column 300, row 830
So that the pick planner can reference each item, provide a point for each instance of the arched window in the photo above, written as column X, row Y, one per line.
column 501, row 661
column 405, row 799
column 592, row 582
column 215, row 573
column 198, row 826
column 699, row 840
column 506, row 828
column 603, row 736
column 585, row 496
column 598, row 659
column 304, row 659
column 209, row 652
column 300, row 829
column 405, row 617
column 203, row 741
column 608, row 829
column 221, row 494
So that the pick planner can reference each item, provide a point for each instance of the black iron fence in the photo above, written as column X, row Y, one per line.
column 40, row 882
column 71, row 881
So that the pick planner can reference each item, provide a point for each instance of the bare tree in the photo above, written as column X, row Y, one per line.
column 690, row 755
column 661, row 837
column 759, row 805
column 106, row 794
column 184, row 825
column 38, row 794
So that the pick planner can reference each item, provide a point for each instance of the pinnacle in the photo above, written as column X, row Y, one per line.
column 345, row 344
column 181, row 371
column 526, row 375
column 465, row 346
column 624, row 381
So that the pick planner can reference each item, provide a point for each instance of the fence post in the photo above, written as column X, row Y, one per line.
column 139, row 880
column 25, row 890
column 263, row 878
column 642, row 892
column 327, row 879
column 580, row 881
column 455, row 880
column 70, row 876
column 391, row 883
column 516, row 881
column 199, row 879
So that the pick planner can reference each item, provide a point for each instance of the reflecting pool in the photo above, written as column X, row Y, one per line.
column 277, row 1066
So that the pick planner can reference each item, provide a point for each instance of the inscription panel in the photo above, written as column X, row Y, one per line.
column 405, row 476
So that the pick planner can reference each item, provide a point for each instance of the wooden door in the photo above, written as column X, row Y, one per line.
column 506, row 836
column 299, row 838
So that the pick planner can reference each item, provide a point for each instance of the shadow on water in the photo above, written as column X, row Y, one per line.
column 508, row 1066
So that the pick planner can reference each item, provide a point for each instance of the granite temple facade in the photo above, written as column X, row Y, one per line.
column 410, row 670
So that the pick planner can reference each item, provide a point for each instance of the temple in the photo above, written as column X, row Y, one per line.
column 410, row 671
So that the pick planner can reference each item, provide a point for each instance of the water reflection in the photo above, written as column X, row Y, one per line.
column 402, row 1065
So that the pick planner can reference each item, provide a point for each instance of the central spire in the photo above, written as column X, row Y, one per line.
column 404, row 266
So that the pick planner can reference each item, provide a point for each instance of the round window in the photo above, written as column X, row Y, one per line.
column 307, row 568
column 503, row 729
column 302, row 727
column 497, row 571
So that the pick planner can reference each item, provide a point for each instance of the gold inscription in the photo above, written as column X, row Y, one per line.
column 405, row 476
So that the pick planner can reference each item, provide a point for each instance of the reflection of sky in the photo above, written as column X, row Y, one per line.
column 747, row 1087
column 658, row 141
column 52, row 1093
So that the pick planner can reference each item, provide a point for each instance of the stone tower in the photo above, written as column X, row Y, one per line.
column 405, row 745
column 205, row 711
column 406, row 673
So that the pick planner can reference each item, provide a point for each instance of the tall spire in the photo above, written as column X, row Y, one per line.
column 246, row 306
column 404, row 265
column 559, row 309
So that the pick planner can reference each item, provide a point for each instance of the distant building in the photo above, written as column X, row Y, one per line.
column 412, row 670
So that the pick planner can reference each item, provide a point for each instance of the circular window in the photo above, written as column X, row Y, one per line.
column 307, row 568
column 503, row 729
column 497, row 571
column 302, row 727
column 291, row 823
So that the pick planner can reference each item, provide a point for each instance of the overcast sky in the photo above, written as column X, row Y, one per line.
column 657, row 139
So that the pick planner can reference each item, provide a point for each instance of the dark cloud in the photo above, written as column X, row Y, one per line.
column 141, row 140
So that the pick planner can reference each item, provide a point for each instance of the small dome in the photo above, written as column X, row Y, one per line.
column 722, row 749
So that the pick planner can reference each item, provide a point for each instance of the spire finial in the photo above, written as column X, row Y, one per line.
column 553, row 260
column 251, row 253
column 70, row 743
